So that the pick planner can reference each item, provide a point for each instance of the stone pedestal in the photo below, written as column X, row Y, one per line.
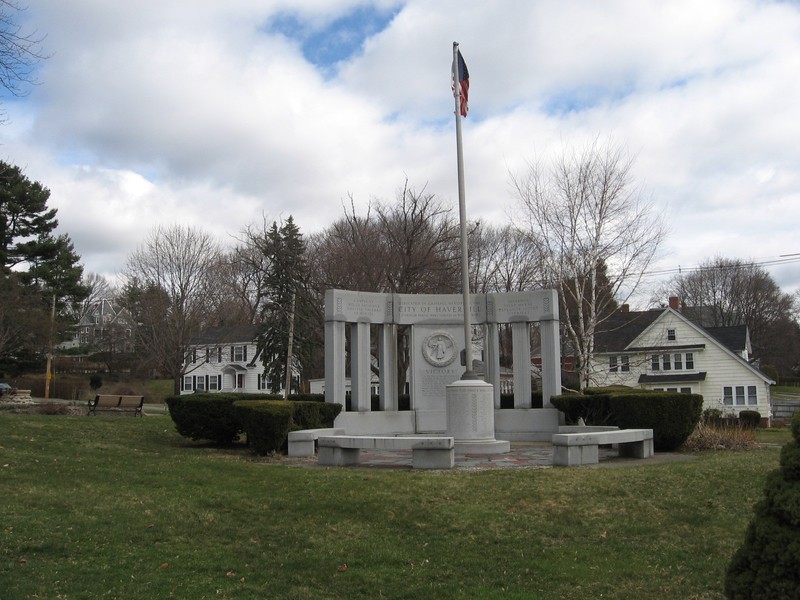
column 470, row 418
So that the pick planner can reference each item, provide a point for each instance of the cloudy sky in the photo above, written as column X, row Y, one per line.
column 212, row 114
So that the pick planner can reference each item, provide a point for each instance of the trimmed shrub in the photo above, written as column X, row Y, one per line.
column 670, row 415
column 268, row 423
column 712, row 416
column 749, row 418
column 765, row 566
column 206, row 417
column 592, row 408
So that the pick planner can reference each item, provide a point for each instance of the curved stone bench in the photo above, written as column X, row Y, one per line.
column 301, row 442
column 426, row 452
column 575, row 449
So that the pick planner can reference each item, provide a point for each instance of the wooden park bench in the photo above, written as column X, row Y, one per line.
column 116, row 403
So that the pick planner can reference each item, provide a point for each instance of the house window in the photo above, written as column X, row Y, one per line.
column 187, row 383
column 689, row 361
column 727, row 395
column 671, row 335
column 654, row 362
column 624, row 366
column 678, row 362
column 665, row 360
column 200, row 384
column 612, row 364
column 752, row 394
column 686, row 390
column 239, row 353
column 212, row 383
column 739, row 395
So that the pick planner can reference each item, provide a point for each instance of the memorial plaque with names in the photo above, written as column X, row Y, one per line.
column 358, row 307
column 522, row 307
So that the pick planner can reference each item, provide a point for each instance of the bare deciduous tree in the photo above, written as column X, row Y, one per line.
column 584, row 214
column 19, row 50
column 724, row 292
column 168, row 291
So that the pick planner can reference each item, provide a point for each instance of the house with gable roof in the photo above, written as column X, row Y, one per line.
column 663, row 349
column 224, row 359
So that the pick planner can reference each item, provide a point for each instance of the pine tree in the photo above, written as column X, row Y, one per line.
column 44, row 264
column 283, row 315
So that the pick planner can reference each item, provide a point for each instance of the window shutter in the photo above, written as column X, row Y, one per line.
column 244, row 353
column 231, row 353
column 206, row 382
column 219, row 382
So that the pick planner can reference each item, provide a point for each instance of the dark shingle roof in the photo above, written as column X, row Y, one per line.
column 618, row 331
column 227, row 334
column 621, row 328
column 734, row 337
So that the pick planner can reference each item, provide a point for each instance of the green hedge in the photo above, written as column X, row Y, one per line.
column 750, row 419
column 268, row 423
column 206, row 416
column 671, row 416
column 211, row 416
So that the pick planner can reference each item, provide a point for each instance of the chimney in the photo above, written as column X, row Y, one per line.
column 674, row 303
column 625, row 308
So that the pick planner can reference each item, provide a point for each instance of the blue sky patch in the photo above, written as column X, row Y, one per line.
column 584, row 98
column 339, row 40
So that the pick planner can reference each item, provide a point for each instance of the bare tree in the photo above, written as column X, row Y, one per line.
column 503, row 259
column 586, row 219
column 168, row 292
column 19, row 50
column 407, row 246
column 723, row 292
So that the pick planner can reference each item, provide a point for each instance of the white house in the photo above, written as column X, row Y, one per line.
column 224, row 359
column 664, row 350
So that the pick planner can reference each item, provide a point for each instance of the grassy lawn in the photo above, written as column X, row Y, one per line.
column 125, row 508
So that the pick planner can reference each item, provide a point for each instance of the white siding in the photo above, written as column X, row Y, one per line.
column 722, row 367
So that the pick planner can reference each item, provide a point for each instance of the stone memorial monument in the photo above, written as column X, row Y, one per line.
column 435, row 356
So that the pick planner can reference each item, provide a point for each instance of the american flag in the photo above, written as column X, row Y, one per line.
column 463, row 82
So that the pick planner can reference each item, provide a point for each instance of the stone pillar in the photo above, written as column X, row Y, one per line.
column 334, row 362
column 551, row 361
column 521, row 342
column 492, row 346
column 360, row 372
column 387, row 361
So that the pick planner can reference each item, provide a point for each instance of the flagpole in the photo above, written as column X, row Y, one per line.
column 462, row 211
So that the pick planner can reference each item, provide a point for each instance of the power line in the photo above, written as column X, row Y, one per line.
column 783, row 259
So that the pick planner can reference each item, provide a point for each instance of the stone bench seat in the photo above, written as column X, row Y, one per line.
column 426, row 452
column 302, row 442
column 574, row 449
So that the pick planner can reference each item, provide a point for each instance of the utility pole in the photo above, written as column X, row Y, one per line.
column 49, row 374
column 290, row 348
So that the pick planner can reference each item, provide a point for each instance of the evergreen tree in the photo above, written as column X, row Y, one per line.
column 36, row 265
column 284, row 315
column 768, row 563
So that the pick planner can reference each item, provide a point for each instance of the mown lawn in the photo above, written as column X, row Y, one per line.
column 111, row 507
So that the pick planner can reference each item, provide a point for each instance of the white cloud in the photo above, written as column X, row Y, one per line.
column 193, row 112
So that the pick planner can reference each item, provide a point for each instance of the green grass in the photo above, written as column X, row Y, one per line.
column 125, row 508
